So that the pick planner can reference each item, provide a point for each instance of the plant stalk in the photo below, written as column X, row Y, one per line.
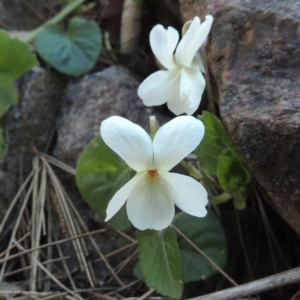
column 56, row 19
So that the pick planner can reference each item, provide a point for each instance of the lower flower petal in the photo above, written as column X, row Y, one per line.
column 150, row 204
column 121, row 196
column 176, row 105
column 160, row 87
column 188, row 194
column 192, row 85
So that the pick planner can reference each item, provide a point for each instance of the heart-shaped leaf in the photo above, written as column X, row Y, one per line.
column 208, row 235
column 99, row 175
column 74, row 52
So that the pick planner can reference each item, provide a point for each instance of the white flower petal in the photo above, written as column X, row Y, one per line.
column 175, row 140
column 192, row 40
column 121, row 196
column 186, row 26
column 197, row 63
column 150, row 205
column 178, row 106
column 163, row 43
column 188, row 194
column 192, row 84
column 160, row 87
column 130, row 141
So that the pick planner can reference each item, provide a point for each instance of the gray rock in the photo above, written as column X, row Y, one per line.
column 87, row 101
column 29, row 123
column 253, row 54
column 24, row 14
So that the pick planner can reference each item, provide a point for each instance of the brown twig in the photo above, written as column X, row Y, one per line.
column 257, row 286
column 146, row 295
column 51, row 244
column 205, row 256
column 62, row 286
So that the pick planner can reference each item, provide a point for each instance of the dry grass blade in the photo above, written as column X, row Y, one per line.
column 117, row 251
column 127, row 236
column 102, row 257
column 38, row 202
column 124, row 263
column 24, row 295
column 123, row 288
column 16, row 227
column 51, row 276
column 68, row 203
column 205, row 256
column 146, row 295
column 268, row 227
column 70, row 222
column 31, row 266
column 243, row 244
column 130, row 26
column 51, row 244
column 49, row 240
column 49, row 200
column 65, row 265
column 13, row 246
column 58, row 163
column 14, row 201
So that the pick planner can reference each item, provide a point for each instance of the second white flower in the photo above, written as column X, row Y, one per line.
column 181, row 86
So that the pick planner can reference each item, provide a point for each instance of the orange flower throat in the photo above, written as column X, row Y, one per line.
column 152, row 174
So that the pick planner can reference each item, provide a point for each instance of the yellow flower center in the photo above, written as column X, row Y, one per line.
column 152, row 174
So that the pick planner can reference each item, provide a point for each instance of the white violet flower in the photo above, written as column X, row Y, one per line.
column 183, row 83
column 152, row 192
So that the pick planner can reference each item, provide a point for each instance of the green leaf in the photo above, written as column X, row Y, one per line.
column 208, row 235
column 74, row 52
column 99, row 175
column 138, row 272
column 216, row 142
column 233, row 175
column 160, row 261
column 15, row 60
column 239, row 201
column 15, row 57
column 8, row 94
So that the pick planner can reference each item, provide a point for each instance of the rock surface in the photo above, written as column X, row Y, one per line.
column 87, row 101
column 24, row 14
column 31, row 122
column 254, row 59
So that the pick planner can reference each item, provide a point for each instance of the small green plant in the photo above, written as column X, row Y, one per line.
column 173, row 248
column 74, row 52
column 218, row 157
column 15, row 60
column 166, row 260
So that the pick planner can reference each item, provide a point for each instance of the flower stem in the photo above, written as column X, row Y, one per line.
column 224, row 197
column 192, row 170
column 154, row 126
column 57, row 18
column 197, row 175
